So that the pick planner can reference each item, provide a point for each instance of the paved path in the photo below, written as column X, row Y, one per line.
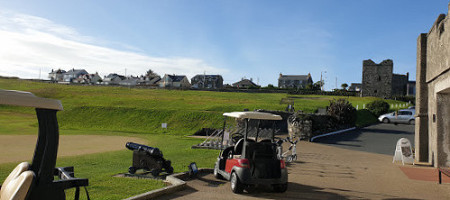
column 379, row 138
column 328, row 172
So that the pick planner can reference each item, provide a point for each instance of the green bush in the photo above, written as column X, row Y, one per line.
column 378, row 107
column 342, row 111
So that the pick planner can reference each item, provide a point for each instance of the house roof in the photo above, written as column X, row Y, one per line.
column 245, row 82
column 59, row 71
column 176, row 78
column 295, row 77
column 113, row 75
column 207, row 76
column 75, row 71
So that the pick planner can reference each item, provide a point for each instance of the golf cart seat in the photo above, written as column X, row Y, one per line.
column 37, row 181
column 17, row 185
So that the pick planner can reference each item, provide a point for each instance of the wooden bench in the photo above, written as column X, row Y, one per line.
column 444, row 171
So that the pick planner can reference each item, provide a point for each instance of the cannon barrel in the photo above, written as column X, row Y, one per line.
column 139, row 147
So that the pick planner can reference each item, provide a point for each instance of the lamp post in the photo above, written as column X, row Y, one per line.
column 322, row 80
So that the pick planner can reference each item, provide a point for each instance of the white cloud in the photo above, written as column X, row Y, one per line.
column 31, row 44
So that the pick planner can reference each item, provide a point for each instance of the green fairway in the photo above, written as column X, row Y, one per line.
column 101, row 110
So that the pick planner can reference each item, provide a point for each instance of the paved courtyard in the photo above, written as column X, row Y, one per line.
column 329, row 172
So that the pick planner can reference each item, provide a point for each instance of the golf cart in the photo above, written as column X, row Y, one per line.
column 37, row 180
column 249, row 153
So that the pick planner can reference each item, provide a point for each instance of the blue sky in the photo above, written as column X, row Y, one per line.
column 235, row 38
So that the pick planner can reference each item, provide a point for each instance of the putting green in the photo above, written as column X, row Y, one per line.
column 17, row 148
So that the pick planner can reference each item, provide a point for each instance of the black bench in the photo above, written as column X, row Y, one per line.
column 443, row 171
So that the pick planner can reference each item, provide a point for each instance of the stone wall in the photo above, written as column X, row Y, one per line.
column 433, row 94
column 399, row 83
column 377, row 78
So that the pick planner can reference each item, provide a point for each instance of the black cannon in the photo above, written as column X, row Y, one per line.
column 148, row 158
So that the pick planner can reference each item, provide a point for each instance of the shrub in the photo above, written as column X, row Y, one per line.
column 342, row 111
column 378, row 107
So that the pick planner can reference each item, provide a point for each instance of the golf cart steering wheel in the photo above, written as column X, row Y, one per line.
column 236, row 137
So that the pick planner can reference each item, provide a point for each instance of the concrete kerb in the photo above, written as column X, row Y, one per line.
column 332, row 133
column 176, row 184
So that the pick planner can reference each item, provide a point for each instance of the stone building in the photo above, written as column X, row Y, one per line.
column 378, row 80
column 294, row 81
column 432, row 139
column 201, row 81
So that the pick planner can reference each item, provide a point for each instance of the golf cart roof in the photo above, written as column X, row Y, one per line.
column 253, row 115
column 27, row 99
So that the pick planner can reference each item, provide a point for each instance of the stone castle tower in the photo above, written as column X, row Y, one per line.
column 377, row 78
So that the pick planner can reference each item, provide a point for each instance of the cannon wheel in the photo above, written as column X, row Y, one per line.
column 132, row 170
column 169, row 170
column 155, row 172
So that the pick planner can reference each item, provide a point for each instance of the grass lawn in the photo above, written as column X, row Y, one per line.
column 99, row 168
column 97, row 110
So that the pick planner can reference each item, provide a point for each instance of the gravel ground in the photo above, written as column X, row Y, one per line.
column 18, row 148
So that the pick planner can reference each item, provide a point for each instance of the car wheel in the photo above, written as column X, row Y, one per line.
column 216, row 171
column 236, row 185
column 412, row 122
column 386, row 120
column 280, row 188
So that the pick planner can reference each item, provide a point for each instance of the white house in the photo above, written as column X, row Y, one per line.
column 73, row 74
column 173, row 81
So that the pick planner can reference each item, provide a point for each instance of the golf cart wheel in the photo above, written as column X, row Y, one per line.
column 216, row 172
column 280, row 188
column 412, row 122
column 386, row 120
column 236, row 185
column 132, row 170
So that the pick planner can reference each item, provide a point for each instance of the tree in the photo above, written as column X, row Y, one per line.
column 378, row 107
column 318, row 85
column 344, row 86
column 150, row 73
column 343, row 111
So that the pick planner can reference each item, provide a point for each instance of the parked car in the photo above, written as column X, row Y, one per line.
column 251, row 158
column 401, row 116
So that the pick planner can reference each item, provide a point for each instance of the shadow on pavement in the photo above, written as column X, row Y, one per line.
column 295, row 191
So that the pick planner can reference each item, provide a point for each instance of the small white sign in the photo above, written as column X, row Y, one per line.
column 164, row 125
column 403, row 152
